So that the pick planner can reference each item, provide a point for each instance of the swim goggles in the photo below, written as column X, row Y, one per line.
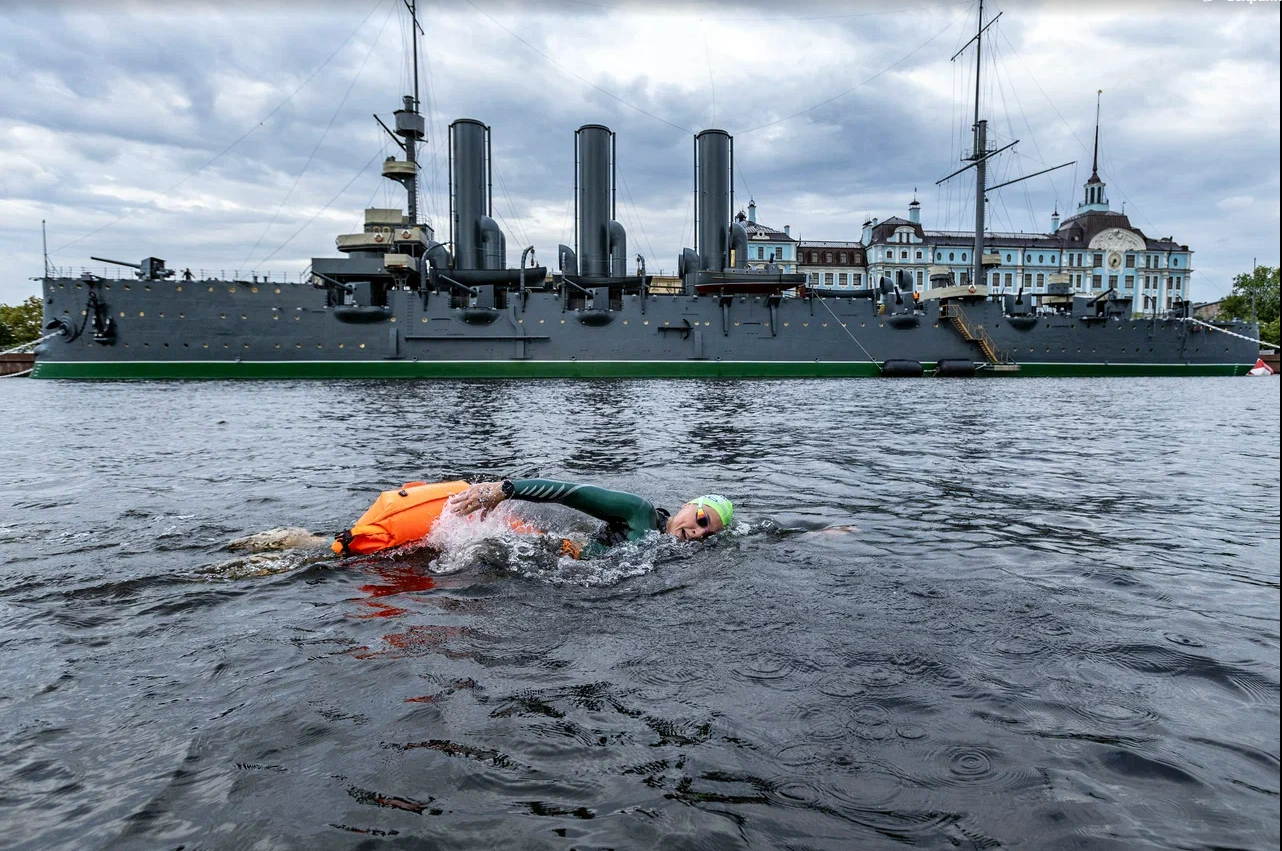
column 701, row 518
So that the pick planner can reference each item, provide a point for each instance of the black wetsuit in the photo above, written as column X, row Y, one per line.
column 627, row 516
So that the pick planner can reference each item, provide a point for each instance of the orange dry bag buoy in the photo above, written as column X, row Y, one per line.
column 397, row 517
column 402, row 517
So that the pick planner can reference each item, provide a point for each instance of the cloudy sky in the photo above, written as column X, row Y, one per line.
column 239, row 136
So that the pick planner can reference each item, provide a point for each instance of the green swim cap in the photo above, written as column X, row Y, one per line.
column 719, row 504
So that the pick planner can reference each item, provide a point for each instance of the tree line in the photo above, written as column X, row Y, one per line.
column 20, row 323
column 1255, row 298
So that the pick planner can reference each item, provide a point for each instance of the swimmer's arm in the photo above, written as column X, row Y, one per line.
column 610, row 506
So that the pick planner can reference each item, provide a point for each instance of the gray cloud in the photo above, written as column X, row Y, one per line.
column 108, row 106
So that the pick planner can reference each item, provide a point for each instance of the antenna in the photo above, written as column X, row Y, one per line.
column 1095, row 164
column 44, row 243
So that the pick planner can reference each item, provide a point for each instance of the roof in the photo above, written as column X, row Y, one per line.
column 996, row 240
column 760, row 231
column 822, row 243
column 882, row 230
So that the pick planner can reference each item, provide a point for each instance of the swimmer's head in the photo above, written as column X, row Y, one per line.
column 700, row 517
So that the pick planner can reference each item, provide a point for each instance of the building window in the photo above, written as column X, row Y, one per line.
column 1130, row 261
column 828, row 256
column 813, row 277
column 859, row 279
column 814, row 257
column 965, row 278
column 1130, row 282
column 903, row 255
column 919, row 254
column 1041, row 280
column 1052, row 258
column 996, row 278
column 951, row 256
column 841, row 279
column 963, row 257
column 1007, row 258
column 1096, row 281
column 1099, row 261
column 1028, row 279
column 828, row 279
column 1112, row 282
column 1169, row 284
column 938, row 255
column 1041, row 258
column 1175, row 261
column 919, row 277
column 843, row 258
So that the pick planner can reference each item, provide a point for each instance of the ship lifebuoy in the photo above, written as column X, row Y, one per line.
column 971, row 288
column 405, row 234
column 378, row 237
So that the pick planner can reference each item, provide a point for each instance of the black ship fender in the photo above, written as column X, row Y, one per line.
column 902, row 369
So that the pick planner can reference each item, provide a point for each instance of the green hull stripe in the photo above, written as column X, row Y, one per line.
column 565, row 369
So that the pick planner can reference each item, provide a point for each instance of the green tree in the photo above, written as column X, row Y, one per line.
column 1256, row 297
column 20, row 323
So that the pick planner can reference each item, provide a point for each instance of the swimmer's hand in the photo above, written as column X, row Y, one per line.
column 482, row 497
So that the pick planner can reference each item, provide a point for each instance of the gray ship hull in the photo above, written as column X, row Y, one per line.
column 237, row 329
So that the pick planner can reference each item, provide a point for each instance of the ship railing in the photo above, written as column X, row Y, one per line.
column 117, row 273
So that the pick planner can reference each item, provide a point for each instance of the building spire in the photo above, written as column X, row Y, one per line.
column 1095, row 163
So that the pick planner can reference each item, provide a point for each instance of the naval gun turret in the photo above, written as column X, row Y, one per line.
column 150, row 269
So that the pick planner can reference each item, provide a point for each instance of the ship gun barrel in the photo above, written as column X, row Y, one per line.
column 117, row 262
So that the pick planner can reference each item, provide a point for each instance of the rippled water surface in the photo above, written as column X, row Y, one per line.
column 1054, row 623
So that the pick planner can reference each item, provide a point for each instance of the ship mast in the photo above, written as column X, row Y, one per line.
column 981, row 167
column 409, row 126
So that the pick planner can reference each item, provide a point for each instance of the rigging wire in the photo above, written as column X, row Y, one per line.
column 520, row 232
column 1069, row 127
column 328, row 204
column 236, row 142
column 637, row 212
column 712, row 83
column 320, row 141
column 583, row 80
column 853, row 88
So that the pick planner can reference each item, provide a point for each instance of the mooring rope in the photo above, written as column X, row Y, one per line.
column 18, row 348
column 847, row 330
column 17, row 374
column 1230, row 333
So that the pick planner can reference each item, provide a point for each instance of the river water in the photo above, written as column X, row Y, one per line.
column 1050, row 622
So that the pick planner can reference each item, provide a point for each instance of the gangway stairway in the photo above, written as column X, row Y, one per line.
column 998, row 360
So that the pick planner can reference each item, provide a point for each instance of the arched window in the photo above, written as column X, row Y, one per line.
column 842, row 261
column 828, row 257
column 814, row 257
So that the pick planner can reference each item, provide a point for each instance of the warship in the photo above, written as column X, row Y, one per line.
column 400, row 303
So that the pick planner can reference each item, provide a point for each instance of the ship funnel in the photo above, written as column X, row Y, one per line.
column 714, row 194
column 471, row 197
column 600, row 241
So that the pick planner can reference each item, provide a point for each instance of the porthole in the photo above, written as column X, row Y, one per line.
column 225, row 346
column 278, row 291
column 340, row 345
column 362, row 345
column 393, row 318
column 298, row 345
column 253, row 289
column 122, row 314
column 231, row 289
column 205, row 345
column 519, row 320
column 278, row 345
column 563, row 322
column 643, row 321
column 222, row 316
column 211, row 289
column 297, row 317
column 162, row 316
column 736, row 323
column 785, row 324
column 246, row 345
column 275, row 316
column 242, row 316
column 540, row 321
column 665, row 322
column 825, row 325
column 320, row 345
column 625, row 322
column 179, row 288
column 166, row 345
